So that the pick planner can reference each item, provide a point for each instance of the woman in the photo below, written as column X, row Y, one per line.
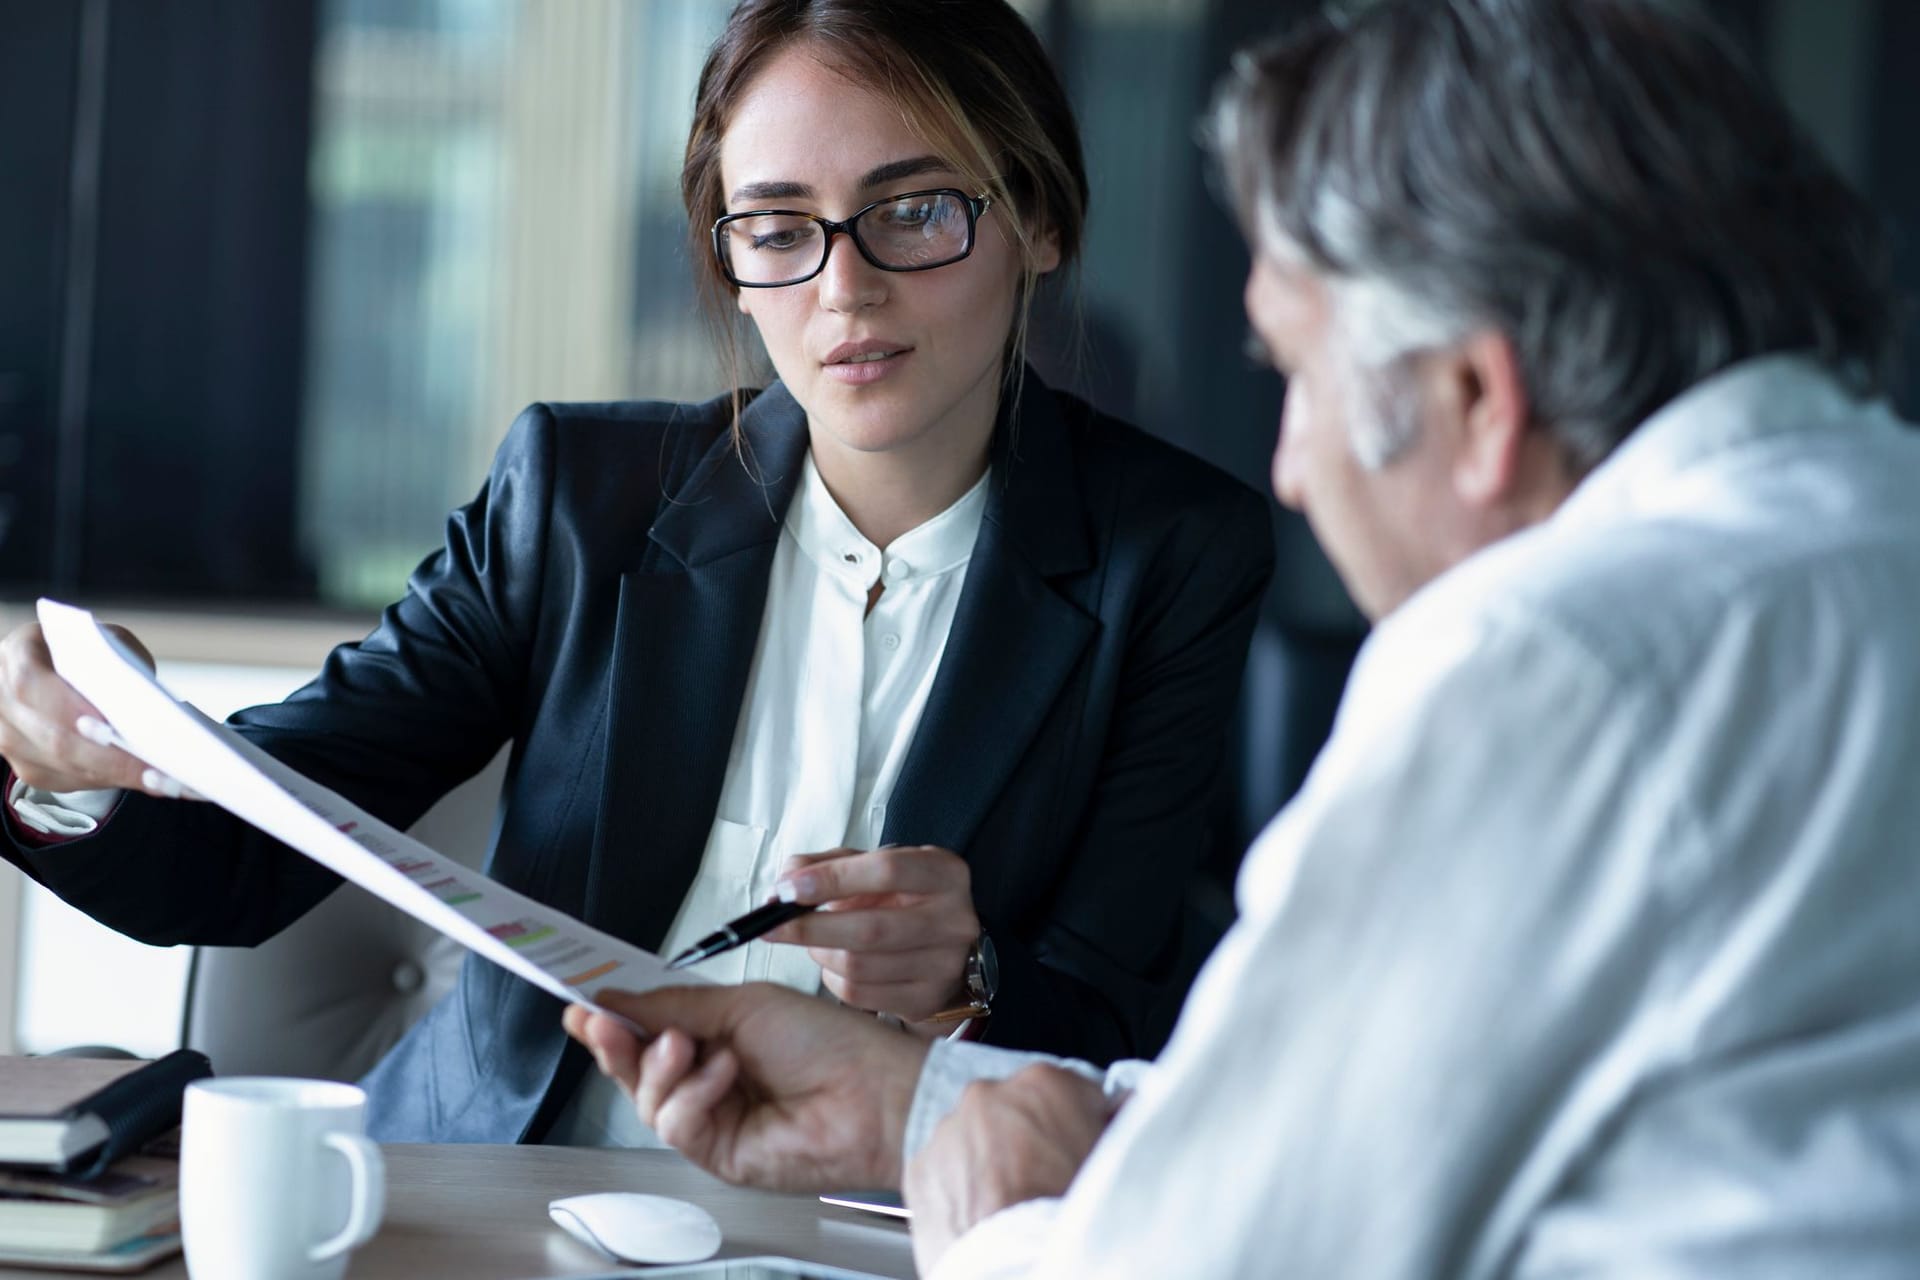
column 955, row 652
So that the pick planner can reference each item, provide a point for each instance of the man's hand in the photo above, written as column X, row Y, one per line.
column 53, row 737
column 760, row 1084
column 894, row 926
column 1008, row 1141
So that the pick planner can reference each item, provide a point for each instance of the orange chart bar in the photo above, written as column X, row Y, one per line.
column 595, row 972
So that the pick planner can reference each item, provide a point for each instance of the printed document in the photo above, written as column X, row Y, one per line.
column 548, row 948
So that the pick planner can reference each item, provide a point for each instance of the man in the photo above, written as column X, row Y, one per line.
column 1590, row 945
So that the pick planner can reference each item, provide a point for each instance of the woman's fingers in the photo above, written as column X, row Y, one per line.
column 931, row 926
column 152, row 781
column 894, row 926
column 156, row 783
column 923, row 869
column 797, row 861
column 61, row 760
column 910, row 1001
column 881, row 968
column 54, row 738
column 132, row 642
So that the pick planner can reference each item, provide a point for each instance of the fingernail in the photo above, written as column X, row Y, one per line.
column 158, row 782
column 94, row 730
column 787, row 891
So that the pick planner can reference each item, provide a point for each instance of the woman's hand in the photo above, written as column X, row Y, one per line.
column 893, row 929
column 53, row 737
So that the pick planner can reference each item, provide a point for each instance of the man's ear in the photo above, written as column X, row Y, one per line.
column 1493, row 415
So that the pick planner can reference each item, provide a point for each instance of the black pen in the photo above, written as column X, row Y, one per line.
column 739, row 931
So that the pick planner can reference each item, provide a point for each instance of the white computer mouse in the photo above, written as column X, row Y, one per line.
column 639, row 1228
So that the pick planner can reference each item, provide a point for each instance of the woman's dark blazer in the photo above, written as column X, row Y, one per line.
column 598, row 604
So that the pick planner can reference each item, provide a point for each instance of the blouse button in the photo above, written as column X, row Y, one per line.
column 890, row 642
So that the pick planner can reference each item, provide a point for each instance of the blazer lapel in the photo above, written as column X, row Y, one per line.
column 1014, row 641
column 689, row 622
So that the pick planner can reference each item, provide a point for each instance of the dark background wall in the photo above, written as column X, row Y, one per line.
column 157, row 231
column 153, row 261
column 152, row 258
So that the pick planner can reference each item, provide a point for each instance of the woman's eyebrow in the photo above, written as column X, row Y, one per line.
column 756, row 191
column 894, row 170
column 878, row 176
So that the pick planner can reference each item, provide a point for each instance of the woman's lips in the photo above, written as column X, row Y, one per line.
column 867, row 369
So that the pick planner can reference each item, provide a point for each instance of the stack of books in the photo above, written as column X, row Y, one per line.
column 122, row 1219
column 89, row 1169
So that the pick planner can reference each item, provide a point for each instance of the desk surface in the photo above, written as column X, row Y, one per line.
column 480, row 1213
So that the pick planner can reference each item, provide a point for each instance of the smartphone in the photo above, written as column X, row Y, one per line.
column 742, row 1269
column 887, row 1203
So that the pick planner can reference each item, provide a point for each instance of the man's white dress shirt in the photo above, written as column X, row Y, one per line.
column 832, row 701
column 1591, row 946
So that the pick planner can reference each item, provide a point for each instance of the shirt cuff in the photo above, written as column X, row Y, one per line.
column 1002, row 1246
column 951, row 1066
column 61, row 815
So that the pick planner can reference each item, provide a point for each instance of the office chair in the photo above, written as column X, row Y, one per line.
column 1303, row 650
column 331, row 993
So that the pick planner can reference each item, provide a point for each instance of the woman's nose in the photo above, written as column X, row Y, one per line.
column 848, row 282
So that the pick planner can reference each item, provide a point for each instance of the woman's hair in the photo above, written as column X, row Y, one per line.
column 969, row 76
column 1606, row 182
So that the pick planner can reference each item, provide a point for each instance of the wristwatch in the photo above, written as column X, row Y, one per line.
column 980, row 981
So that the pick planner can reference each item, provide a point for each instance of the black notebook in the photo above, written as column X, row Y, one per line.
column 81, row 1114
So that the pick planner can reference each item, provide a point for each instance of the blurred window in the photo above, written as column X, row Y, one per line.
column 496, row 220
column 280, row 275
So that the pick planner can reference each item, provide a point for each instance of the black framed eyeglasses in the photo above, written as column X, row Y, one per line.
column 913, row 231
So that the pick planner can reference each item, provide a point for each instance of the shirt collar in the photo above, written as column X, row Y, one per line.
column 1746, row 404
column 831, row 541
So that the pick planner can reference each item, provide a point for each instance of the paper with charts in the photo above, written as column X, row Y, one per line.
column 548, row 948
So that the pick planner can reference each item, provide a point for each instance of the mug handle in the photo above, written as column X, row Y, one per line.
column 369, row 1195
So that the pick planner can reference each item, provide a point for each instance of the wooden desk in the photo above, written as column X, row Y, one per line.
column 480, row 1213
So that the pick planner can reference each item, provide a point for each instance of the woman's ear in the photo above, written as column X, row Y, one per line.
column 1046, row 252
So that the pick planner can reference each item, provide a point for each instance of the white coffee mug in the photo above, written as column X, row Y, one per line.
column 278, row 1180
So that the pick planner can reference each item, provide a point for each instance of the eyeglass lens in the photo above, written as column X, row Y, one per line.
column 912, row 234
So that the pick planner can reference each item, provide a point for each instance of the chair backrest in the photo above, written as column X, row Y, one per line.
column 327, row 996
column 1288, row 696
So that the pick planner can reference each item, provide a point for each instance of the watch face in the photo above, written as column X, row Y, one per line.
column 989, row 967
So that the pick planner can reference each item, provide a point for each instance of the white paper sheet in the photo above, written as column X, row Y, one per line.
column 548, row 948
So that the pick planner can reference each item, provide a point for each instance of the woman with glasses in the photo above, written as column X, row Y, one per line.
column 903, row 634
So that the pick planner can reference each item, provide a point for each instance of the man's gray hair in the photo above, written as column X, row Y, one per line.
column 1606, row 182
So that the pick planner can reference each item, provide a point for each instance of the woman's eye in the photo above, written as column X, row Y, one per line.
column 913, row 213
column 776, row 240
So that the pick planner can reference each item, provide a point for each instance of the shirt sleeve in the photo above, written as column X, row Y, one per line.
column 1005, row 1246
column 952, row 1065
